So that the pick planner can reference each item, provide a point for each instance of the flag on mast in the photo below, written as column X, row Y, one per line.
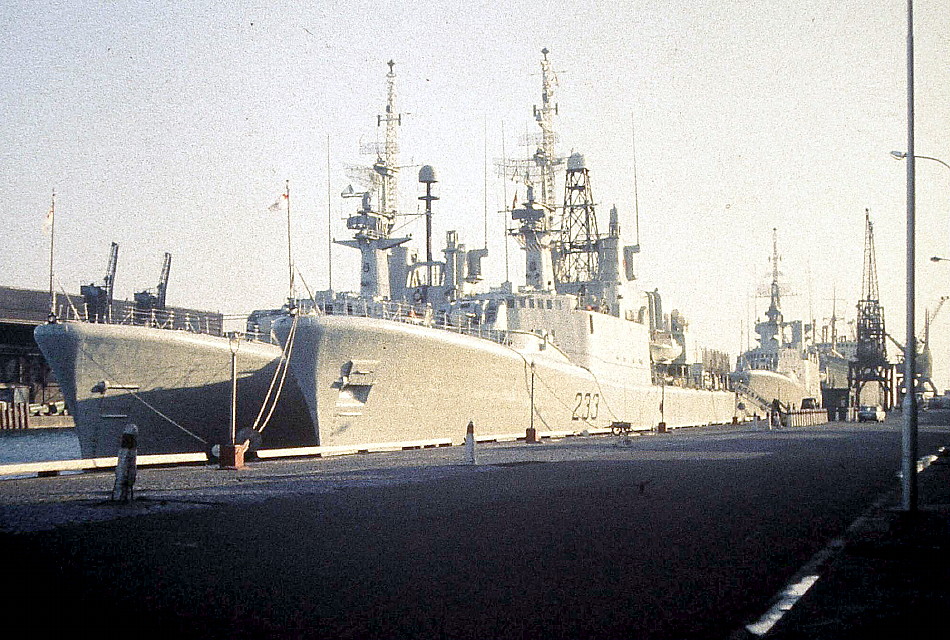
column 48, row 221
column 278, row 205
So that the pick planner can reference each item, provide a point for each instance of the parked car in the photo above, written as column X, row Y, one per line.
column 871, row 413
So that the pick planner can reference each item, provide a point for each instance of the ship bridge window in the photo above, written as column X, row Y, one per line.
column 522, row 302
column 531, row 302
column 550, row 304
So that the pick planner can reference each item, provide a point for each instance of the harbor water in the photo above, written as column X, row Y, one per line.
column 38, row 445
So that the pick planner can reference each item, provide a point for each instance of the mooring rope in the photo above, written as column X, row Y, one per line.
column 282, row 366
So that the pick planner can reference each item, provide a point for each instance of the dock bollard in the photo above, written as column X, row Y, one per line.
column 125, row 467
column 470, row 442
column 232, row 456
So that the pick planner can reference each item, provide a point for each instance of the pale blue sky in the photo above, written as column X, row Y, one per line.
column 172, row 127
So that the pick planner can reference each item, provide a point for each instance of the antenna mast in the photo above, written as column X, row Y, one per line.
column 52, row 235
column 386, row 166
column 545, row 156
column 636, row 197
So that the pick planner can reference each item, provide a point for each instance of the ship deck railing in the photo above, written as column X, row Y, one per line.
column 415, row 314
column 169, row 319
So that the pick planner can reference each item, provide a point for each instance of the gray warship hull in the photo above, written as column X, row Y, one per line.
column 370, row 380
column 174, row 386
column 774, row 386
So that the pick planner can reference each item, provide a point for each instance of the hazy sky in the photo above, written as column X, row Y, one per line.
column 172, row 127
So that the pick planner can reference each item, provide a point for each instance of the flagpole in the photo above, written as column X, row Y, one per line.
column 329, row 225
column 52, row 235
column 290, row 259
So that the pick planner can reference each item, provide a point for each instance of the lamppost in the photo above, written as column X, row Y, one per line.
column 909, row 434
column 909, row 428
column 900, row 155
column 232, row 454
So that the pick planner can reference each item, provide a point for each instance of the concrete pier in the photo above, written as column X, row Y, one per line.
column 688, row 534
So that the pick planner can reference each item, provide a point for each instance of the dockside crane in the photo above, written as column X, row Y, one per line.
column 871, row 364
column 153, row 300
column 925, row 357
column 98, row 298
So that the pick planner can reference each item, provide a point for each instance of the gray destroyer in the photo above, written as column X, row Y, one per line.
column 419, row 353
column 783, row 372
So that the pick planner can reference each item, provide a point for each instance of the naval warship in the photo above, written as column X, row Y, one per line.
column 419, row 353
column 783, row 372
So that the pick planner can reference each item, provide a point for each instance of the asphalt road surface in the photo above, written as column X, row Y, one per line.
column 683, row 535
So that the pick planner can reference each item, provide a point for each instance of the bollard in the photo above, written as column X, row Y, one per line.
column 232, row 456
column 470, row 442
column 125, row 467
column 531, row 435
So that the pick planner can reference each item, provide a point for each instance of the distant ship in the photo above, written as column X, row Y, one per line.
column 419, row 354
column 783, row 372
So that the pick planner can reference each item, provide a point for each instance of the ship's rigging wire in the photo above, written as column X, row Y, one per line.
column 131, row 392
column 554, row 393
column 69, row 300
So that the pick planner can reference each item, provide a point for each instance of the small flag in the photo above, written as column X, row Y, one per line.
column 277, row 205
column 48, row 221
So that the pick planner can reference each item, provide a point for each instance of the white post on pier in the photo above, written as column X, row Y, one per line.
column 125, row 468
column 470, row 443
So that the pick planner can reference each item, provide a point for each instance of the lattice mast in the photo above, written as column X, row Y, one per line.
column 387, row 162
column 576, row 251
column 774, row 312
column 538, row 171
column 545, row 157
column 372, row 225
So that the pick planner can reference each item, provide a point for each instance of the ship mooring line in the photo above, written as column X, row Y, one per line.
column 285, row 360
column 603, row 396
column 270, row 388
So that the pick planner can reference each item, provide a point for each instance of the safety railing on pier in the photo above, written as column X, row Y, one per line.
column 805, row 418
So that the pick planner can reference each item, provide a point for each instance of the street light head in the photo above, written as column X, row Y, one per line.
column 898, row 155
column 939, row 259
